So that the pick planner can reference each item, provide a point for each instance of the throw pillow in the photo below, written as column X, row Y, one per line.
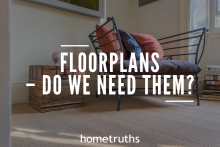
column 130, row 44
column 149, row 44
column 111, row 47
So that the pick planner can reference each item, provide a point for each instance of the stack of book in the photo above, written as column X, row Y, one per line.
column 211, row 88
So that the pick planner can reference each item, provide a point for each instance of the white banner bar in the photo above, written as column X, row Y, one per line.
column 74, row 45
column 179, row 101
column 30, row 84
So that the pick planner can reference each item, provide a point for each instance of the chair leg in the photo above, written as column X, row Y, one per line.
column 96, row 94
column 119, row 102
column 197, row 91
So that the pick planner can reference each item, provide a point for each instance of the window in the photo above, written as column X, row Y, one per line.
column 205, row 13
column 217, row 14
column 199, row 14
column 199, row 18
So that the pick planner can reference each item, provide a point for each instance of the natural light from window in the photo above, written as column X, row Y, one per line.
column 217, row 19
column 199, row 14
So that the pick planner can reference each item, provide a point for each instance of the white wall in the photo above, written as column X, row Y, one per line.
column 5, row 87
column 160, row 19
column 122, row 10
column 38, row 31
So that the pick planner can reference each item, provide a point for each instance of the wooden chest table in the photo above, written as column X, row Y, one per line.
column 52, row 102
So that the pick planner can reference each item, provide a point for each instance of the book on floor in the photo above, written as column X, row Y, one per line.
column 212, row 83
column 211, row 93
column 212, row 73
column 215, row 88
column 210, row 96
column 212, row 67
column 212, row 77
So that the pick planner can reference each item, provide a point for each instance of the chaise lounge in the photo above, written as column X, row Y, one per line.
column 166, row 67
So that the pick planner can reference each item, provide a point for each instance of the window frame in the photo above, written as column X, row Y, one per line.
column 214, row 13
